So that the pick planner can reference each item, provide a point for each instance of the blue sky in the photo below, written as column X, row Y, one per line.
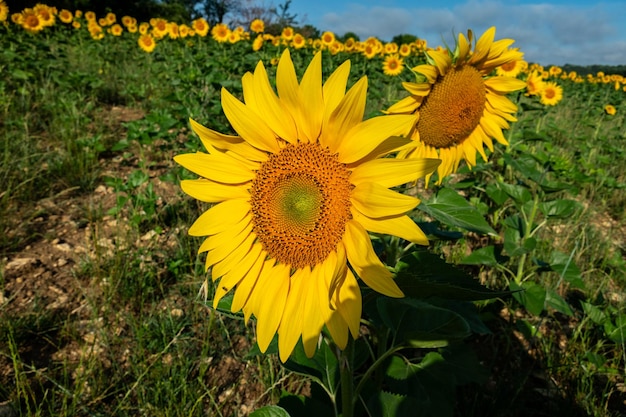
column 548, row 32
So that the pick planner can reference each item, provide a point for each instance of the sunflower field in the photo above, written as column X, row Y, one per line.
column 212, row 220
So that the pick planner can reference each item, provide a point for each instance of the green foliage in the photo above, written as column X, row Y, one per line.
column 523, row 282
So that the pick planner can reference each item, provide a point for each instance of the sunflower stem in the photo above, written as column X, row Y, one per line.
column 347, row 381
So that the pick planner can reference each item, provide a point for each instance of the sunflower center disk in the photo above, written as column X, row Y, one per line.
column 300, row 202
column 453, row 108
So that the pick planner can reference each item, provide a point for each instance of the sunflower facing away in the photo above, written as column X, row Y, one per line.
column 295, row 194
column 458, row 106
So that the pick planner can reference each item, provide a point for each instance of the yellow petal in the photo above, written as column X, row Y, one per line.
column 272, row 296
column 213, row 192
column 407, row 105
column 248, row 281
column 401, row 226
column 220, row 217
column 248, row 124
column 377, row 201
column 503, row 84
column 311, row 93
column 348, row 114
column 290, row 328
column 442, row 61
column 335, row 270
column 429, row 71
column 463, row 47
column 235, row 144
column 270, row 107
column 216, row 167
column 366, row 136
column 216, row 240
column 222, row 251
column 417, row 89
column 335, row 88
column 365, row 263
column 312, row 322
column 349, row 303
column 483, row 45
column 235, row 275
column 390, row 172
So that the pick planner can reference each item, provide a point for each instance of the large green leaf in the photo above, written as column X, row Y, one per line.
column 420, row 324
column 452, row 209
column 322, row 367
column 484, row 256
column 270, row 411
column 559, row 209
column 564, row 265
column 519, row 193
column 421, row 390
column 532, row 296
column 422, row 274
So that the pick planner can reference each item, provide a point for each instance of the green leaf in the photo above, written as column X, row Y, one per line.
column 555, row 301
column 484, row 256
column 517, row 192
column 450, row 208
column 594, row 313
column 270, row 411
column 323, row 366
column 532, row 296
column 562, row 264
column 417, row 389
column 617, row 332
column 496, row 194
column 422, row 274
column 420, row 324
column 559, row 209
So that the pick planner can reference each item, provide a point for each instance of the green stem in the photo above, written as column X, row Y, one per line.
column 527, row 233
column 366, row 376
column 346, row 362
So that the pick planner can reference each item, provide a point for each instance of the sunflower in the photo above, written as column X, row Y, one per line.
column 45, row 14
column 512, row 68
column 257, row 43
column 257, row 26
column 328, row 38
column 220, row 32
column 116, row 30
column 534, row 84
column 458, row 107
column 298, row 41
column 30, row 21
column 4, row 11
column 393, row 65
column 610, row 109
column 64, row 15
column 295, row 194
column 147, row 43
column 551, row 94
column 200, row 26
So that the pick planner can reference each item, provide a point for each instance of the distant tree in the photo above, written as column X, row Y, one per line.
column 404, row 38
column 215, row 10
column 349, row 35
column 284, row 17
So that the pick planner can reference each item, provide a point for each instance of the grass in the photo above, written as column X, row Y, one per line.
column 100, row 312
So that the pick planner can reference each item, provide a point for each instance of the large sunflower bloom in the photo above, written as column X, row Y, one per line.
column 295, row 194
column 458, row 106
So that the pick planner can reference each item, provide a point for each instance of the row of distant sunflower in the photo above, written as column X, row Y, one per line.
column 540, row 82
column 41, row 16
